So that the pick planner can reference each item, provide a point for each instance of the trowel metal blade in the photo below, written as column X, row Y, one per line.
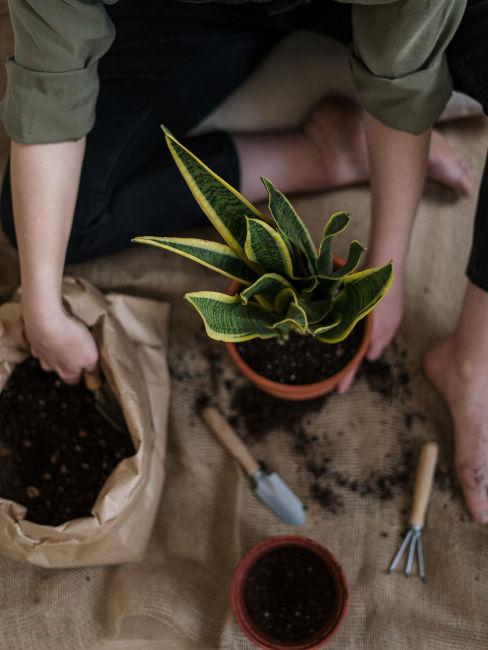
column 107, row 405
column 276, row 494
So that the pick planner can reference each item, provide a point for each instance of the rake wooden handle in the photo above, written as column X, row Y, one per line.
column 229, row 438
column 93, row 379
column 424, row 479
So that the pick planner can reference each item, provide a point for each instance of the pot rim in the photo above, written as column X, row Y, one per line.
column 240, row 576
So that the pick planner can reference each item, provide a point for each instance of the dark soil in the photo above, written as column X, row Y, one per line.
column 256, row 415
column 300, row 359
column 56, row 451
column 289, row 594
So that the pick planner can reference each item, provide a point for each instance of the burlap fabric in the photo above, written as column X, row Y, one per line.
column 177, row 598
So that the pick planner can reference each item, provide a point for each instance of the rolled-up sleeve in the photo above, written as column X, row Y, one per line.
column 52, row 79
column 399, row 62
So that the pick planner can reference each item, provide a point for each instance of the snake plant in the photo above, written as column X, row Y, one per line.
column 285, row 282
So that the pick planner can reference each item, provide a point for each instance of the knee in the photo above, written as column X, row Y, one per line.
column 84, row 243
column 88, row 230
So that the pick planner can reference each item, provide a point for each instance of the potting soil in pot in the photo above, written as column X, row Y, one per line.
column 289, row 594
column 56, row 451
column 301, row 359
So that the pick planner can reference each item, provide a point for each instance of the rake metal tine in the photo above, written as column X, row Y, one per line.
column 411, row 554
column 401, row 551
column 422, row 490
column 420, row 550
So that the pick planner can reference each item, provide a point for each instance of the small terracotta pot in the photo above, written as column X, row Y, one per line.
column 304, row 391
column 261, row 639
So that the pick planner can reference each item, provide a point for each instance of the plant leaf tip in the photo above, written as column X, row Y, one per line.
column 167, row 132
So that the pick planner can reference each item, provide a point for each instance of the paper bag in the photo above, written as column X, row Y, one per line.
column 135, row 367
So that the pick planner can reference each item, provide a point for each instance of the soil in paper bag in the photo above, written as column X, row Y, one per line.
column 56, row 451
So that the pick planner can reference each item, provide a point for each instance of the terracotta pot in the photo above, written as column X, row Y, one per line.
column 304, row 391
column 261, row 639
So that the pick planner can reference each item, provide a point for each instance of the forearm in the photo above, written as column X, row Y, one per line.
column 398, row 165
column 45, row 181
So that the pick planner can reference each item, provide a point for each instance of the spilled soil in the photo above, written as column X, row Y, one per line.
column 255, row 415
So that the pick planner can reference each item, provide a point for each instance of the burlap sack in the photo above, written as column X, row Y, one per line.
column 177, row 598
column 350, row 458
column 124, row 511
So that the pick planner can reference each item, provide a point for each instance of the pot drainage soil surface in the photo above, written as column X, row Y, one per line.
column 56, row 451
column 289, row 594
column 301, row 359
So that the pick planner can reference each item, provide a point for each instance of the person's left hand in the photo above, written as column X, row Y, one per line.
column 386, row 321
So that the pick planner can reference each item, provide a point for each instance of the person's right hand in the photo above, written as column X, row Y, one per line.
column 61, row 343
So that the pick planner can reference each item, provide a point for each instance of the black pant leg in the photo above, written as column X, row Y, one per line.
column 202, row 54
column 171, row 63
column 154, row 200
column 332, row 19
column 477, row 270
column 468, row 62
column 6, row 211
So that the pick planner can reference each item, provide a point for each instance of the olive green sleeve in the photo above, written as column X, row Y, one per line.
column 399, row 63
column 52, row 80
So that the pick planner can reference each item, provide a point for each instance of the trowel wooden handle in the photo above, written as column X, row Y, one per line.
column 93, row 379
column 229, row 438
column 423, row 483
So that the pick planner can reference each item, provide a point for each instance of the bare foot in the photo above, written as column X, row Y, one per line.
column 465, row 390
column 448, row 167
column 336, row 129
column 328, row 151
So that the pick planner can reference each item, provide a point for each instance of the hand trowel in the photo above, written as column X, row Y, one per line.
column 105, row 401
column 270, row 488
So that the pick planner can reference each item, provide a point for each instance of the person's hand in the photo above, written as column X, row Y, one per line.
column 61, row 343
column 386, row 321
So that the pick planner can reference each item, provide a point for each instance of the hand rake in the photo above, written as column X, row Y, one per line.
column 421, row 495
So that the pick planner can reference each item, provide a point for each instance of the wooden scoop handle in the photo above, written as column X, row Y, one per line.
column 93, row 379
column 229, row 438
column 423, row 483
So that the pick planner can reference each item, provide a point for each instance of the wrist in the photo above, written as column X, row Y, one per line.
column 41, row 308
column 379, row 254
column 41, row 288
